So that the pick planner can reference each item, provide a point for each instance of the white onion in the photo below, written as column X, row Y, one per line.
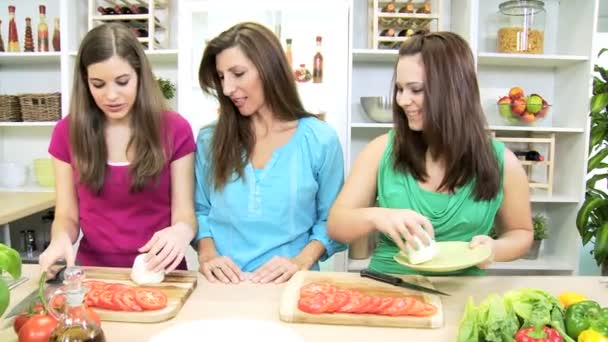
column 140, row 275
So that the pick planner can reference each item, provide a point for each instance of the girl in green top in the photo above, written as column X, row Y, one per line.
column 437, row 170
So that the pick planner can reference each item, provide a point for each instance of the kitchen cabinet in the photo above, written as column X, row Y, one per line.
column 561, row 74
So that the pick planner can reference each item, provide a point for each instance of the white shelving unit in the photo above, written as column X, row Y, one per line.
column 561, row 74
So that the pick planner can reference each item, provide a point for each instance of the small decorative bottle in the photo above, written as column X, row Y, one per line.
column 13, row 37
column 317, row 66
column 28, row 40
column 288, row 53
column 56, row 36
column 75, row 323
column 1, row 40
column 43, row 31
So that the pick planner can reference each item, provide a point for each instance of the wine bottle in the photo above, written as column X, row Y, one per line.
column 317, row 65
column 389, row 32
column 529, row 155
column 139, row 9
column 106, row 10
column 122, row 10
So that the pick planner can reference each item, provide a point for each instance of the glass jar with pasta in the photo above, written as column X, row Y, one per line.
column 522, row 27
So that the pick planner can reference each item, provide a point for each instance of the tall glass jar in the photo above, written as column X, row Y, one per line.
column 523, row 28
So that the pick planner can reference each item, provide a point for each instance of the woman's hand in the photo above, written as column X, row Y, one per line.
column 167, row 247
column 59, row 248
column 277, row 269
column 220, row 268
column 487, row 241
column 404, row 224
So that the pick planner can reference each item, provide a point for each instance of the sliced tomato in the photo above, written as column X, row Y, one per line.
column 314, row 304
column 128, row 299
column 425, row 311
column 92, row 297
column 58, row 301
column 372, row 303
column 150, row 299
column 106, row 300
column 400, row 307
column 385, row 302
column 313, row 288
column 338, row 300
column 94, row 284
column 354, row 302
column 116, row 287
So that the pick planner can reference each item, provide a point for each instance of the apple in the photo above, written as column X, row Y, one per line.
column 528, row 117
column 516, row 93
column 543, row 112
column 534, row 103
column 518, row 106
column 504, row 107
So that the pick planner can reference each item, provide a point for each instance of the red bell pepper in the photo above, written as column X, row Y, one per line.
column 538, row 334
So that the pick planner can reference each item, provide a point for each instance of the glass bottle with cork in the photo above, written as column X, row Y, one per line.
column 317, row 65
column 43, row 31
column 13, row 37
column 75, row 323
column 56, row 35
column 288, row 52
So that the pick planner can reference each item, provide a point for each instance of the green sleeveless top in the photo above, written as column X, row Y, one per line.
column 455, row 217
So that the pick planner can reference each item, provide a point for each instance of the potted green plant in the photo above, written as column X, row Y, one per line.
column 539, row 223
column 167, row 87
column 10, row 262
column 592, row 217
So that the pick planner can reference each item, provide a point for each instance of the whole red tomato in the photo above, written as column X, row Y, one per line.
column 24, row 317
column 37, row 329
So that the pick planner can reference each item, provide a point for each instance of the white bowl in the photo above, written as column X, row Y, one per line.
column 12, row 175
column 378, row 108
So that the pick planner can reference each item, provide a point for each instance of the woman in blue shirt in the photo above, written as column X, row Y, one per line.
column 267, row 171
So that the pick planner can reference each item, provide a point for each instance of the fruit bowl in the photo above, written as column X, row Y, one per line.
column 378, row 108
column 517, row 108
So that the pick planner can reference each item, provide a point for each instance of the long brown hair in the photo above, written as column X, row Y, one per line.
column 454, row 122
column 233, row 138
column 87, row 121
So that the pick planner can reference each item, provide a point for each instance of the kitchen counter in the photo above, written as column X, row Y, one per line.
column 252, row 301
column 16, row 205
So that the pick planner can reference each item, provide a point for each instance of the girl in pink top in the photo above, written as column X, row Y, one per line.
column 123, row 163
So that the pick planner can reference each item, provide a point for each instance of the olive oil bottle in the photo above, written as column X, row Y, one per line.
column 75, row 322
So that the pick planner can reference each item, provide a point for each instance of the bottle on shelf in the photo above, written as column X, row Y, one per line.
column 106, row 10
column 13, row 37
column 43, row 31
column 389, row 32
column 122, row 10
column 288, row 53
column 531, row 155
column 406, row 32
column 140, row 32
column 389, row 8
column 56, row 35
column 75, row 324
column 317, row 65
column 425, row 8
column 139, row 9
column 409, row 7
column 28, row 39
column 1, row 40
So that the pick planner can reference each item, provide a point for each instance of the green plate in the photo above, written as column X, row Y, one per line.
column 452, row 256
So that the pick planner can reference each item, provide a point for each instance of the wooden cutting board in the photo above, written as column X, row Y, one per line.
column 178, row 285
column 289, row 312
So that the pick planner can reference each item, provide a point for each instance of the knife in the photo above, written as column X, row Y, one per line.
column 32, row 298
column 385, row 278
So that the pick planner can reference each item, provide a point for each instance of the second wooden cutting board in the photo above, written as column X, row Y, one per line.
column 289, row 312
column 178, row 285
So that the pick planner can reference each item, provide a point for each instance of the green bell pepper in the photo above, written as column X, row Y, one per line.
column 10, row 261
column 585, row 315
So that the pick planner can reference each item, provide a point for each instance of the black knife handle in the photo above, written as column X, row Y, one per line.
column 367, row 273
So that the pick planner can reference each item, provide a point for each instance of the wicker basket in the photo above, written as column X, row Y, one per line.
column 10, row 110
column 40, row 107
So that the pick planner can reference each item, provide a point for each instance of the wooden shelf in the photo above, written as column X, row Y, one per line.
column 538, row 198
column 537, row 129
column 28, row 124
column 528, row 60
column 29, row 58
column 375, row 55
column 407, row 15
